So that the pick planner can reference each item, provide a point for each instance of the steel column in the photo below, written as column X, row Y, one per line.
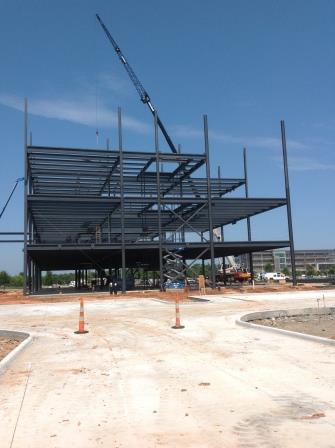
column 109, row 228
column 251, row 264
column 288, row 200
column 161, row 276
column 209, row 197
column 222, row 237
column 29, row 272
column 182, row 233
column 38, row 278
column 123, row 243
column 37, row 286
column 34, row 282
column 221, row 227
column 32, row 275
column 26, row 180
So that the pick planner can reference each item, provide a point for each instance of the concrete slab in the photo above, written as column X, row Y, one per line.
column 132, row 381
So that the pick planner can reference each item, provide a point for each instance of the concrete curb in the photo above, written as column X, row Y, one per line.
column 26, row 338
column 244, row 322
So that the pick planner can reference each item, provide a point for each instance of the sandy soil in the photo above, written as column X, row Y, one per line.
column 8, row 297
column 7, row 345
column 323, row 325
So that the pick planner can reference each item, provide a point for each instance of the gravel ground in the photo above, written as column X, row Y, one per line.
column 323, row 325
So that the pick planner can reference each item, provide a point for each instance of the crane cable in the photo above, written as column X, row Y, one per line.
column 96, row 111
column 20, row 179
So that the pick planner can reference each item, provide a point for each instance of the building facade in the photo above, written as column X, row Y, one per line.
column 319, row 259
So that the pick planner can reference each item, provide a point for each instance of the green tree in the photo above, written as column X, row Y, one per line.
column 286, row 271
column 4, row 278
column 268, row 267
column 310, row 270
column 17, row 280
column 62, row 279
column 331, row 271
column 196, row 269
column 48, row 279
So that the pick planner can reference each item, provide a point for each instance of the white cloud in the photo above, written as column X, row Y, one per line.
column 301, row 163
column 115, row 84
column 82, row 111
column 330, row 124
column 309, row 164
column 257, row 142
column 186, row 131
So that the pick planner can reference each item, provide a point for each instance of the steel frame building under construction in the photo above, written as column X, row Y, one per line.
column 117, row 209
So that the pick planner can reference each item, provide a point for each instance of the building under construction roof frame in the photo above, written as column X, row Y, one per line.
column 117, row 210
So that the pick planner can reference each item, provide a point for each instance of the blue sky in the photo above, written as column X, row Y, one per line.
column 245, row 64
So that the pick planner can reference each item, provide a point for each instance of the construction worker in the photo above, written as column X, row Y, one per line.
column 113, row 286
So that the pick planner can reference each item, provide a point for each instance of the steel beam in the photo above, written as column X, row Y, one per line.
column 96, row 153
column 146, row 166
column 11, row 233
column 116, row 163
column 12, row 241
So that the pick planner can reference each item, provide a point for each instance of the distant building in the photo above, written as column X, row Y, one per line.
column 321, row 259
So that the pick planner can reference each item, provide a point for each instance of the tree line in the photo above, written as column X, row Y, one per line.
column 48, row 279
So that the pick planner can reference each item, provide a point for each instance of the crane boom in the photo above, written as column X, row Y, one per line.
column 144, row 96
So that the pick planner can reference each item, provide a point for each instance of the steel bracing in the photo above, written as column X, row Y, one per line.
column 118, row 209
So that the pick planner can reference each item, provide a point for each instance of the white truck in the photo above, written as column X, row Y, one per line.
column 274, row 276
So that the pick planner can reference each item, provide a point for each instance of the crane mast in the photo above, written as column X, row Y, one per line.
column 144, row 96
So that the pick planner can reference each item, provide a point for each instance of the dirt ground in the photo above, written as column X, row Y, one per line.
column 7, row 345
column 12, row 296
column 134, row 382
column 323, row 325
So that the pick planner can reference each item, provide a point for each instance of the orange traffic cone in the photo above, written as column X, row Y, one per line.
column 177, row 326
column 81, row 329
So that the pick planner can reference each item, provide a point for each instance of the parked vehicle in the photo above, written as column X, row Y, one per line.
column 274, row 276
column 175, row 284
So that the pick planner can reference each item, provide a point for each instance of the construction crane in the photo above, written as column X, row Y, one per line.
column 20, row 179
column 144, row 96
